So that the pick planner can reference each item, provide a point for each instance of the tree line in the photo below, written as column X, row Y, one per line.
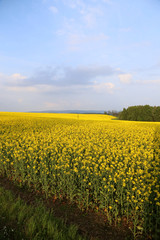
column 141, row 113
column 113, row 113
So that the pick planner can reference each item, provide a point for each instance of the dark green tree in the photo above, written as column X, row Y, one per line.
column 156, row 114
column 141, row 113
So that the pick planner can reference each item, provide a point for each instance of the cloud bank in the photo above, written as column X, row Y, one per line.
column 62, row 79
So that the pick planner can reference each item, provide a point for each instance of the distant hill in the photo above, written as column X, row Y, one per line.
column 71, row 111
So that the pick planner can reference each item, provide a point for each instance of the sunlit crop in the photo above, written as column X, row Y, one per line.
column 94, row 160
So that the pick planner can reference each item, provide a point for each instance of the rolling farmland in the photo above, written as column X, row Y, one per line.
column 95, row 161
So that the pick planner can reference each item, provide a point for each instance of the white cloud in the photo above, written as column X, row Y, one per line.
column 61, row 79
column 14, row 78
column 74, row 30
column 17, row 76
column 89, row 14
column 53, row 9
column 74, row 3
column 89, row 20
column 69, row 26
column 125, row 78
column 104, row 87
column 76, row 41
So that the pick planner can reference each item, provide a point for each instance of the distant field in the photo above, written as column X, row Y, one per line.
column 98, row 162
column 100, row 117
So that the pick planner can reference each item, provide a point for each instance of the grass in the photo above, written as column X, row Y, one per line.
column 22, row 221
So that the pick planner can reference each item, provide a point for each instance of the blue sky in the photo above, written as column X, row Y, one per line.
column 79, row 54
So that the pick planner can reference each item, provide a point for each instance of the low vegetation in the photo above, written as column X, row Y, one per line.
column 21, row 221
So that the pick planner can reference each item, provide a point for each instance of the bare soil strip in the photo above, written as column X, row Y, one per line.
column 91, row 224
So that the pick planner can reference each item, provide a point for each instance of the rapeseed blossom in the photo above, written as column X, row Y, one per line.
column 113, row 166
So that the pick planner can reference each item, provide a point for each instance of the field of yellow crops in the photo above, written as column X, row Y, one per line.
column 94, row 160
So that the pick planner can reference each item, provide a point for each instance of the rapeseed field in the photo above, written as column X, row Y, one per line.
column 94, row 160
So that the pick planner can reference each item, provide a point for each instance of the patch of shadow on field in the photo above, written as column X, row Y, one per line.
column 91, row 224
